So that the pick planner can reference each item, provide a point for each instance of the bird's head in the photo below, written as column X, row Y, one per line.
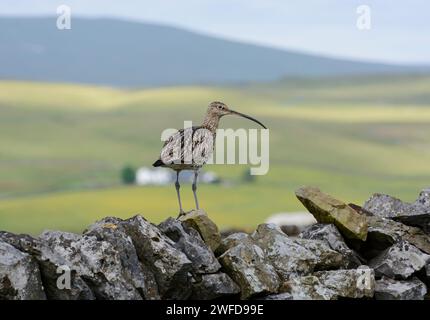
column 220, row 109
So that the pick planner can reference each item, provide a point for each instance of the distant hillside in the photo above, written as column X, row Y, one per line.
column 120, row 53
column 63, row 146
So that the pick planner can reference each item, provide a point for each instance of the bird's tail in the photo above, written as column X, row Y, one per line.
column 158, row 163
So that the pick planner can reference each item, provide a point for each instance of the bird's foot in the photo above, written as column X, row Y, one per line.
column 181, row 213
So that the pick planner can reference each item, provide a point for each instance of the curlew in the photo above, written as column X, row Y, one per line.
column 180, row 149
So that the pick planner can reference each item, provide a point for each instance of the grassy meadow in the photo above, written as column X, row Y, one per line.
column 62, row 147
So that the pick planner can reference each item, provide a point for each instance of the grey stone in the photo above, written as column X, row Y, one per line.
column 279, row 296
column 138, row 274
column 50, row 263
column 424, row 198
column 415, row 214
column 19, row 275
column 327, row 209
column 385, row 206
column 384, row 232
column 269, row 251
column 231, row 241
column 389, row 289
column 291, row 230
column 171, row 267
column 294, row 257
column 360, row 209
column 400, row 260
column 229, row 231
column 331, row 235
column 331, row 285
column 326, row 257
column 420, row 220
column 288, row 257
column 213, row 286
column 245, row 263
column 95, row 261
column 199, row 220
column 189, row 241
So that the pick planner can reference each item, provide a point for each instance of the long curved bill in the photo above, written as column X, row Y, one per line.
column 247, row 117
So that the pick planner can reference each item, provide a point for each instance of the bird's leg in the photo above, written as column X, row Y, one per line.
column 194, row 187
column 177, row 186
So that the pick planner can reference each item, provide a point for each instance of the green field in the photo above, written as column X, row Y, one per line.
column 62, row 147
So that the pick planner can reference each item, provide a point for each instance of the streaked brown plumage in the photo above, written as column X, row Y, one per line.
column 201, row 139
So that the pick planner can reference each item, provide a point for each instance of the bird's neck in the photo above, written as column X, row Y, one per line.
column 211, row 122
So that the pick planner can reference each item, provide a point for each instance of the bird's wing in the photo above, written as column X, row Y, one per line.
column 175, row 148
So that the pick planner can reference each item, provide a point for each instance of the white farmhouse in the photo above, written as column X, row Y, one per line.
column 162, row 176
column 157, row 176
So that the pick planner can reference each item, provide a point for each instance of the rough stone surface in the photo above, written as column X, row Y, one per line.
column 292, row 257
column 385, row 206
column 95, row 260
column 424, row 198
column 112, row 230
column 326, row 257
column 213, row 286
column 229, row 231
column 199, row 220
column 291, row 230
column 19, row 275
column 189, row 241
column 389, row 289
column 331, row 235
column 246, row 265
column 288, row 257
column 170, row 266
column 414, row 214
column 400, row 260
column 327, row 209
column 385, row 232
column 279, row 296
column 331, row 285
column 428, row 270
column 360, row 209
column 51, row 264
column 231, row 241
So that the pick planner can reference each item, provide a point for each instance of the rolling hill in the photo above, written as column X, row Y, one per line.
column 131, row 54
column 62, row 147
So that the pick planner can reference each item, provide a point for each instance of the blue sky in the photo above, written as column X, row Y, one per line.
column 400, row 31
